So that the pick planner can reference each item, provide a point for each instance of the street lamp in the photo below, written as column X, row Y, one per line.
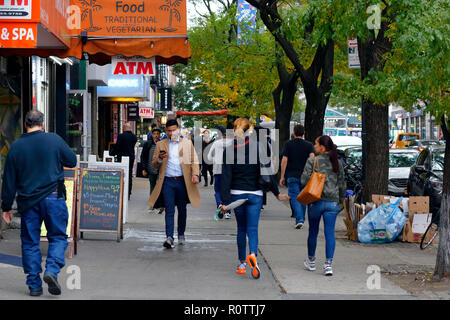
column 163, row 120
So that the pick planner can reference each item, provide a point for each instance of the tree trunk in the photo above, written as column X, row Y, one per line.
column 375, row 118
column 314, row 113
column 442, row 268
column 284, row 97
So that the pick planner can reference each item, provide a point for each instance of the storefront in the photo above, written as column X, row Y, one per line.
column 47, row 47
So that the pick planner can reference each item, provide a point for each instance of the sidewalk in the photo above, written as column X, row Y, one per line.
column 140, row 268
column 285, row 249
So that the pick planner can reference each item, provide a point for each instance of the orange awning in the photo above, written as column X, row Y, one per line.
column 156, row 28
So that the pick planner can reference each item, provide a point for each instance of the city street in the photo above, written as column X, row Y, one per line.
column 204, row 268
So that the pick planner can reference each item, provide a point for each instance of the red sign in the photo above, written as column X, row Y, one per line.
column 133, row 66
column 146, row 112
column 13, row 35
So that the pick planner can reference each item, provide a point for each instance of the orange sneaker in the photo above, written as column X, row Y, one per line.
column 251, row 260
column 241, row 269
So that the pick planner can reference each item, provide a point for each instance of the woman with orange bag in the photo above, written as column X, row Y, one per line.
column 327, row 207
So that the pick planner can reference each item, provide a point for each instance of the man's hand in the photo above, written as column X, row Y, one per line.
column 7, row 216
column 195, row 179
column 282, row 196
column 282, row 182
column 144, row 173
column 162, row 155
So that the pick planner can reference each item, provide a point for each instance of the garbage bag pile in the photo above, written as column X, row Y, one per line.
column 382, row 224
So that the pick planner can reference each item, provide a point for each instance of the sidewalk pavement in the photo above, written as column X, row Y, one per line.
column 140, row 268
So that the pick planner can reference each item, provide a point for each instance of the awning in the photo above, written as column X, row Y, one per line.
column 181, row 113
column 105, row 28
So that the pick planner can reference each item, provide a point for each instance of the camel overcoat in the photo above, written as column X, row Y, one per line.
column 189, row 166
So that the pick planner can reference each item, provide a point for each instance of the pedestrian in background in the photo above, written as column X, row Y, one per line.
column 148, row 150
column 240, row 180
column 176, row 159
column 206, row 165
column 126, row 141
column 295, row 153
column 34, row 170
column 327, row 207
column 215, row 156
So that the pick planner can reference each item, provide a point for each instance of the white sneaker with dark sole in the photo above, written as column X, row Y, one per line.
column 311, row 266
column 328, row 269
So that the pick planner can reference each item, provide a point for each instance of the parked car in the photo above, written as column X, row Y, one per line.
column 426, row 176
column 404, row 139
column 422, row 144
column 400, row 162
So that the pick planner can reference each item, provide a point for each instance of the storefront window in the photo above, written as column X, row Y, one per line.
column 10, row 105
column 74, row 132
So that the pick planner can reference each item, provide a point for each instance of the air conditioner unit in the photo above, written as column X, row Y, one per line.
column 3, row 65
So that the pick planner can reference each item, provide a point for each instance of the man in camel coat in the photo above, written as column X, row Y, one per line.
column 177, row 184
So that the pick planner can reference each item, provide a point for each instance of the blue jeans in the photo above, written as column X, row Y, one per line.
column 53, row 212
column 247, row 218
column 217, row 184
column 329, row 211
column 294, row 188
column 175, row 194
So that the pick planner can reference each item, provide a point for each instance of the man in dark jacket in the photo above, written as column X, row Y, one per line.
column 34, row 170
column 147, row 153
column 124, row 147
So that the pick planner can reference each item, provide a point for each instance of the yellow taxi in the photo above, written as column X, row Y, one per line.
column 404, row 139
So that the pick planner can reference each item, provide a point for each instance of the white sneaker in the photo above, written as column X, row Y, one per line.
column 227, row 215
column 310, row 265
column 299, row 225
column 328, row 269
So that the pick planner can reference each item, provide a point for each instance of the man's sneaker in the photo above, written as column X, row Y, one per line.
column 161, row 210
column 299, row 225
column 241, row 269
column 181, row 240
column 256, row 272
column 227, row 215
column 310, row 265
column 36, row 293
column 53, row 285
column 328, row 270
column 169, row 243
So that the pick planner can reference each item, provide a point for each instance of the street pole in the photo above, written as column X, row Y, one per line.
column 364, row 148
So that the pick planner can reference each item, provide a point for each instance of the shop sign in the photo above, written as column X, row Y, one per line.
column 132, row 112
column 130, row 18
column 13, row 35
column 133, row 66
column 146, row 112
column 353, row 57
column 15, row 9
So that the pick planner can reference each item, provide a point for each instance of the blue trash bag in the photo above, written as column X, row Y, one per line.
column 349, row 193
column 382, row 224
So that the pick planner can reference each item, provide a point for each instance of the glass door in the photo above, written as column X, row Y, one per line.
column 77, row 122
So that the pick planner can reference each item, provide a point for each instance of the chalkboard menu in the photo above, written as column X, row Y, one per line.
column 100, row 205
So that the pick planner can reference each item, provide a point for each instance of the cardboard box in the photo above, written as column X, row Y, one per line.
column 352, row 226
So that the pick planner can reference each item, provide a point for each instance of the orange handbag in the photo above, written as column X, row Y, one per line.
column 313, row 189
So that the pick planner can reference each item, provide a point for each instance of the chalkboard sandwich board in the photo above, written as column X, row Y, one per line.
column 101, row 198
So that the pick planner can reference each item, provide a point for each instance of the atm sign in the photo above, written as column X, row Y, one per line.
column 15, row 9
column 146, row 112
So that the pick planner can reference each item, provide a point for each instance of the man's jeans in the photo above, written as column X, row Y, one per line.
column 53, row 212
column 294, row 188
column 329, row 211
column 247, row 217
column 175, row 194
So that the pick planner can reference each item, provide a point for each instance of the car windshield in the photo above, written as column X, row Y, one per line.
column 438, row 160
column 430, row 143
column 402, row 160
column 354, row 156
column 407, row 137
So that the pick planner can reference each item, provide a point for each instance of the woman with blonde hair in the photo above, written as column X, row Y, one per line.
column 241, row 180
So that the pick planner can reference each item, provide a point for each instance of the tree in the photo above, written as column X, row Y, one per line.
column 306, row 25
column 231, row 76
